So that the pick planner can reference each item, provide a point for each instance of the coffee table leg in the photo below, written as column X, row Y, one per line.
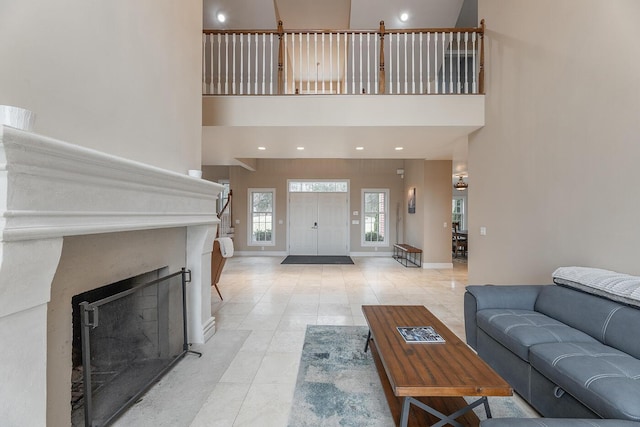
column 366, row 346
column 404, row 417
column 444, row 419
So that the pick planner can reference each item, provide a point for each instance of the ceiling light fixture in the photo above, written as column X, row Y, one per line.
column 460, row 185
column 221, row 17
column 359, row 148
column 404, row 16
column 399, row 148
column 262, row 148
column 299, row 148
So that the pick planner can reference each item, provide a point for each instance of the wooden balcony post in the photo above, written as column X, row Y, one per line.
column 481, row 74
column 280, row 58
column 381, row 74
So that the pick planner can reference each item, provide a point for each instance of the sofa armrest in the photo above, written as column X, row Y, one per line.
column 480, row 297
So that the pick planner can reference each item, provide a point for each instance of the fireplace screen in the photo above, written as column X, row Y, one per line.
column 129, row 340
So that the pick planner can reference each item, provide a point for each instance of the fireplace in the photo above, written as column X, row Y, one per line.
column 75, row 219
column 125, row 337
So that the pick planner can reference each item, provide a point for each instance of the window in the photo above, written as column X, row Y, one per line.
column 375, row 224
column 261, row 214
column 458, row 212
column 318, row 186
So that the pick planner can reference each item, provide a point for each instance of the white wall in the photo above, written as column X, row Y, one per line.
column 119, row 76
column 555, row 167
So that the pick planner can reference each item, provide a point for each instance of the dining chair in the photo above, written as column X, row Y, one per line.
column 458, row 241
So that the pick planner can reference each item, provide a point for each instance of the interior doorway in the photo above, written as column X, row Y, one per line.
column 318, row 218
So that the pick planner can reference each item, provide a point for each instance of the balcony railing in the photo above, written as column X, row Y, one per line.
column 279, row 62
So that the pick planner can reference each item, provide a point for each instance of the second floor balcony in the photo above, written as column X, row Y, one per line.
column 382, row 61
column 334, row 89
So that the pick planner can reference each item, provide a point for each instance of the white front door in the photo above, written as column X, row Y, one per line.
column 303, row 220
column 318, row 223
column 333, row 217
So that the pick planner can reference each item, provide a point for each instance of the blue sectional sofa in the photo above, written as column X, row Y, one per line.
column 571, row 349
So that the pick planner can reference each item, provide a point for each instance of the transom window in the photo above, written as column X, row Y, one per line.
column 318, row 186
column 375, row 224
column 261, row 216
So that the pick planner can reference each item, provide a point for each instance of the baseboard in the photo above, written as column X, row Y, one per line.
column 437, row 265
column 371, row 254
column 260, row 253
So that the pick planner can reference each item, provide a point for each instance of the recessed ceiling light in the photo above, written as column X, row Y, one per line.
column 221, row 17
column 262, row 148
column 404, row 16
column 300, row 148
column 399, row 148
column 359, row 148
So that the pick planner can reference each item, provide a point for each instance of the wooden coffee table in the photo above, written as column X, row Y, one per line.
column 431, row 376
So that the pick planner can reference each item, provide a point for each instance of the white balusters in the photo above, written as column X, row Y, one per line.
column 285, row 66
column 405, row 65
column 233, row 82
column 353, row 64
column 391, row 63
column 474, row 88
column 241, row 64
column 376, row 65
column 429, row 62
column 420, row 46
column 345, row 84
column 398, row 62
column 264, row 70
column 331, row 63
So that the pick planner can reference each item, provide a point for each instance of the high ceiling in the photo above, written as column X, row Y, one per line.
column 339, row 14
column 331, row 15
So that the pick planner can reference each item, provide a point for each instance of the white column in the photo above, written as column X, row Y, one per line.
column 201, row 324
column 24, row 294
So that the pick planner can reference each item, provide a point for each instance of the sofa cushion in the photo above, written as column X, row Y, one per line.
column 586, row 312
column 623, row 332
column 519, row 329
column 601, row 377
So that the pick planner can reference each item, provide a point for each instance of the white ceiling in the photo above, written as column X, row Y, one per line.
column 338, row 14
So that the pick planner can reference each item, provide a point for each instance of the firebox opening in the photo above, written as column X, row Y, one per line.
column 131, row 333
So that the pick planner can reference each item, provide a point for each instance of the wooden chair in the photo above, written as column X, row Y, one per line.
column 458, row 241
column 217, row 263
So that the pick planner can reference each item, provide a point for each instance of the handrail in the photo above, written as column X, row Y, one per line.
column 224, row 208
column 222, row 211
column 304, row 61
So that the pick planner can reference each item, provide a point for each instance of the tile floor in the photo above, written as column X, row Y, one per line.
column 276, row 302
column 271, row 304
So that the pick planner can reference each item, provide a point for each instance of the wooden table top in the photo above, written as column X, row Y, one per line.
column 428, row 369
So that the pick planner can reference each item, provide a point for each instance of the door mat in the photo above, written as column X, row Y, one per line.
column 317, row 259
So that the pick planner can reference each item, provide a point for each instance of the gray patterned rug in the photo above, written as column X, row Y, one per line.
column 338, row 384
column 337, row 381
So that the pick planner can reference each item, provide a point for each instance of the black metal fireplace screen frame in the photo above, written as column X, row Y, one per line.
column 90, row 320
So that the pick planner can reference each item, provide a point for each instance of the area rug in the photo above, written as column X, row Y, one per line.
column 317, row 259
column 338, row 384
column 337, row 381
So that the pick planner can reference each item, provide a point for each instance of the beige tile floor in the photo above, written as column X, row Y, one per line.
column 275, row 303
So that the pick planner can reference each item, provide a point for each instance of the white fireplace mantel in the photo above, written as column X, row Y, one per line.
column 51, row 189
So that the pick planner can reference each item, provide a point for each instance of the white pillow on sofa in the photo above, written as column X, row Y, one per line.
column 609, row 284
